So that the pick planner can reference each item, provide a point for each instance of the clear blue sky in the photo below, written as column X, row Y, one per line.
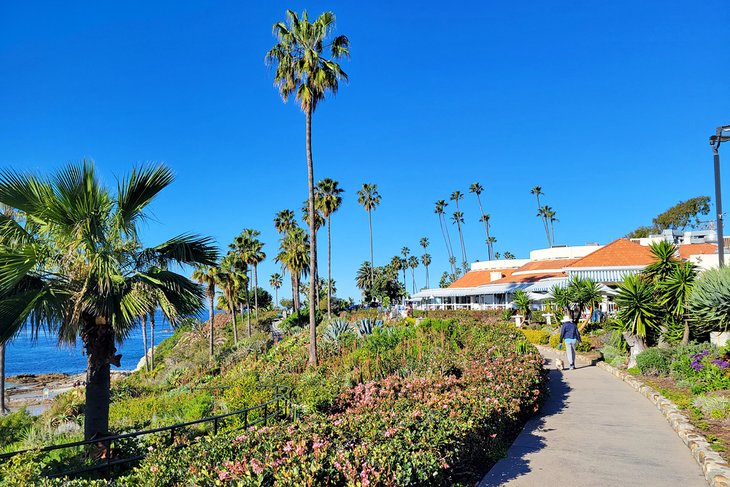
column 607, row 105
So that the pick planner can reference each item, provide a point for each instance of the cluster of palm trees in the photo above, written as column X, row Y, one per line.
column 71, row 264
column 546, row 215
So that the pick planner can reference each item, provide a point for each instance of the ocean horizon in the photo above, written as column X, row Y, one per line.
column 44, row 355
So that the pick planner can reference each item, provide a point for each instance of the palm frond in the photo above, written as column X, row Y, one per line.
column 138, row 191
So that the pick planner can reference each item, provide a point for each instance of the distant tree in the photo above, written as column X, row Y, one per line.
column 413, row 264
column 445, row 280
column 478, row 189
column 329, row 199
column 497, row 255
column 405, row 251
column 440, row 207
column 208, row 276
column 369, row 198
column 508, row 255
column 458, row 219
column 680, row 216
column 276, row 281
column 537, row 191
column 426, row 260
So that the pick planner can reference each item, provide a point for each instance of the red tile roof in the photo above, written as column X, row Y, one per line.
column 545, row 265
column 528, row 277
column 696, row 249
column 619, row 253
column 479, row 278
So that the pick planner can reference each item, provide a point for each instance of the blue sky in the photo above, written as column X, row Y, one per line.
column 607, row 105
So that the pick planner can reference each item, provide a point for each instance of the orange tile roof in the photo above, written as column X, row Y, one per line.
column 696, row 249
column 543, row 265
column 621, row 252
column 528, row 277
column 479, row 278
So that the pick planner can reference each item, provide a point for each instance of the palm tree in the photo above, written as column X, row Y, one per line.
column 10, row 214
column 413, row 264
column 276, row 281
column 550, row 217
column 329, row 199
column 440, row 211
column 478, row 189
column 363, row 279
column 75, row 274
column 303, row 70
column 228, row 282
column 676, row 290
column 319, row 221
column 294, row 257
column 459, row 220
column 369, row 198
column 426, row 260
column 485, row 219
column 637, row 313
column 284, row 221
column 490, row 242
column 425, row 243
column 208, row 276
column 250, row 250
column 404, row 251
column 537, row 191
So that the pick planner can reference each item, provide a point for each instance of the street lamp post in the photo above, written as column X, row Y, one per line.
column 722, row 134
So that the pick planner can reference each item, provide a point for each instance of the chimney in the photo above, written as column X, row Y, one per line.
column 494, row 275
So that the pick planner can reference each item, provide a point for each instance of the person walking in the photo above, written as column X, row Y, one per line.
column 569, row 335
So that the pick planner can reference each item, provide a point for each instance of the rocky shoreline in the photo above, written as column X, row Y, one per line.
column 34, row 392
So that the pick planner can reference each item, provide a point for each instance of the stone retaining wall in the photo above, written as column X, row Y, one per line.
column 717, row 470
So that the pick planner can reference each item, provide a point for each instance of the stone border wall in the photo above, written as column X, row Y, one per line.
column 717, row 470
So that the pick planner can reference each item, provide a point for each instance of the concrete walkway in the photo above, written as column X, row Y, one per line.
column 595, row 430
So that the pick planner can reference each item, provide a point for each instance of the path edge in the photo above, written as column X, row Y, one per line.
column 716, row 470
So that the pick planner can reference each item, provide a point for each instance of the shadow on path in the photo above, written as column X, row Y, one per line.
column 515, row 464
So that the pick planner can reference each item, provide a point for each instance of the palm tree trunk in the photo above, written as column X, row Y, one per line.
column 294, row 293
column 241, row 309
column 372, row 275
column 235, row 327
column 428, row 282
column 449, row 247
column 297, row 304
column 486, row 226
column 276, row 293
column 152, row 338
column 211, row 316
column 248, row 312
column 144, row 342
column 544, row 221
column 329, row 268
column 413, row 279
column 312, row 244
column 685, row 335
column 3, row 409
column 256, row 290
column 98, row 339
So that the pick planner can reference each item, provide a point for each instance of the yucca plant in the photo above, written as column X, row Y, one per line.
column 337, row 330
column 522, row 303
column 709, row 303
column 637, row 313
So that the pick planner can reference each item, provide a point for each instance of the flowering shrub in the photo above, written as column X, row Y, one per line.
column 440, row 426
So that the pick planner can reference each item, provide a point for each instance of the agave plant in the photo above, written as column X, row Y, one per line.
column 366, row 326
column 638, row 313
column 709, row 302
column 337, row 330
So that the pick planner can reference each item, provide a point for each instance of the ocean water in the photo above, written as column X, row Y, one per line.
column 24, row 355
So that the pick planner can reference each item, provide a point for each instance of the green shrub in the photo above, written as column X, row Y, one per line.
column 709, row 302
column 681, row 360
column 614, row 355
column 538, row 337
column 554, row 340
column 299, row 319
column 653, row 361
column 13, row 427
column 714, row 406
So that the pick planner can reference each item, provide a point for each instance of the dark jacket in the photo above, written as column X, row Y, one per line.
column 569, row 330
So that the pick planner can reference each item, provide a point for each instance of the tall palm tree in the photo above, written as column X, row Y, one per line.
column 424, row 243
column 250, row 250
column 478, row 189
column 405, row 251
column 491, row 241
column 329, row 199
column 74, row 274
column 284, row 221
column 413, row 264
column 228, row 282
column 319, row 222
column 363, row 279
column 426, row 260
column 550, row 217
column 208, row 276
column 303, row 70
column 537, row 191
column 295, row 258
column 485, row 219
column 369, row 198
column 458, row 218
column 275, row 281
column 440, row 211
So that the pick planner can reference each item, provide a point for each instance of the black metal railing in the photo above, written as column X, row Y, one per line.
column 278, row 407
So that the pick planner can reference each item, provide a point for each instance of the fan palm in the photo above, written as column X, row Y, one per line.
column 458, row 218
column 74, row 272
column 11, row 214
column 478, row 189
column 550, row 217
column 250, row 250
column 440, row 207
column 284, row 221
column 229, row 282
column 276, row 281
column 363, row 278
column 369, row 198
column 404, row 251
column 537, row 191
column 303, row 70
column 485, row 219
column 294, row 257
column 208, row 276
column 413, row 264
column 329, row 199
column 426, row 260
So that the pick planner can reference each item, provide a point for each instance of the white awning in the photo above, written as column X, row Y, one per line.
column 450, row 292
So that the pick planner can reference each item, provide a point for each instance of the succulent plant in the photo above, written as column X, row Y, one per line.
column 336, row 330
column 709, row 303
column 366, row 326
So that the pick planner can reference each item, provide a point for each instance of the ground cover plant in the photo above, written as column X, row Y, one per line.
column 432, row 403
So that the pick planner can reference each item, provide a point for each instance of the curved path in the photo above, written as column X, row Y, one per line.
column 595, row 430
